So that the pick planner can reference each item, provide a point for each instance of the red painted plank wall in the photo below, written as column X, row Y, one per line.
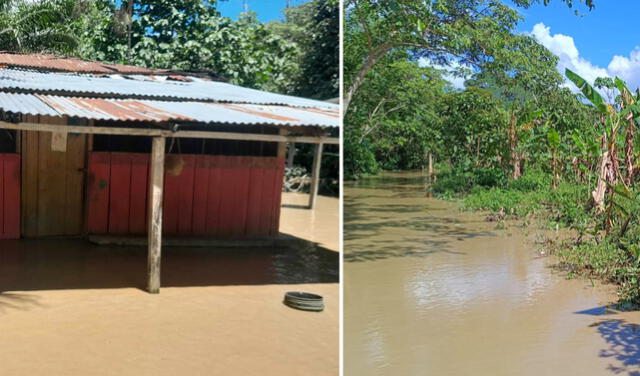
column 211, row 195
column 9, row 196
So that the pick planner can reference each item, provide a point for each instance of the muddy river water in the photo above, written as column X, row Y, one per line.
column 431, row 290
column 69, row 308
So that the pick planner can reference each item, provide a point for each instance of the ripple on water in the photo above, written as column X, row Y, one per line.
column 432, row 290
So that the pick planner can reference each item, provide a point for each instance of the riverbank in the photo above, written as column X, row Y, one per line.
column 432, row 289
column 603, row 246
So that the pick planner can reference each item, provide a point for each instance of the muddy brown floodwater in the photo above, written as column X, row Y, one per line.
column 69, row 308
column 430, row 290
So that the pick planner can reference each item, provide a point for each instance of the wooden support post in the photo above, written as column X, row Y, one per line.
column 292, row 154
column 315, row 175
column 282, row 146
column 156, row 175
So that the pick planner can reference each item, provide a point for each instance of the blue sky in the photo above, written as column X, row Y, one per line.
column 603, row 41
column 267, row 10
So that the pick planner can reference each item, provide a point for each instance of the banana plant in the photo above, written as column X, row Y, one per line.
column 611, row 119
column 553, row 140
column 520, row 120
column 610, row 178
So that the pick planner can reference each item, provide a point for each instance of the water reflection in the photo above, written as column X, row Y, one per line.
column 433, row 290
column 76, row 264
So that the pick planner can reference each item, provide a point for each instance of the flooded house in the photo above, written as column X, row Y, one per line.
column 91, row 149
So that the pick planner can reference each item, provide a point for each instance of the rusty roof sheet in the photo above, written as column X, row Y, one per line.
column 68, row 64
column 159, row 111
column 118, row 86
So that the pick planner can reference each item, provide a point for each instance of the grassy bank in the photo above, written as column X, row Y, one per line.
column 611, row 256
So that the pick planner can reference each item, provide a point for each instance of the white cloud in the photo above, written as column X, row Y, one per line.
column 563, row 46
column 627, row 68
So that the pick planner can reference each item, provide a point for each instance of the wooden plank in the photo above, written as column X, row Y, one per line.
column 233, row 190
column 277, row 195
column 172, row 181
column 200, row 191
column 315, row 175
column 51, row 127
column 269, row 196
column 154, row 231
column 75, row 180
column 29, row 184
column 98, row 192
column 11, row 196
column 185, row 196
column 214, row 196
column 52, row 186
column 226, row 187
column 240, row 195
column 138, row 194
column 255, row 198
column 119, row 194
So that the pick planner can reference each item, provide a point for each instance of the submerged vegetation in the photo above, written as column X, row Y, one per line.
column 509, row 137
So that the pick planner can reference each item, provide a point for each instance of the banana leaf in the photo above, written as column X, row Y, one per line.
column 592, row 95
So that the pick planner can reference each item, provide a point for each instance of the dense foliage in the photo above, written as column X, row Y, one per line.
column 297, row 55
column 509, row 137
column 186, row 35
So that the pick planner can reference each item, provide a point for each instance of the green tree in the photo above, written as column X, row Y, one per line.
column 188, row 35
column 469, row 31
column 313, row 27
column 38, row 26
column 395, row 121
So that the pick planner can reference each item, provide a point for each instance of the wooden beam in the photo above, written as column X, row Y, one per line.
column 315, row 175
column 156, row 175
column 43, row 127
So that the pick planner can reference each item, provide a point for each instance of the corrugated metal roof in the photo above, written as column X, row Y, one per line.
column 156, row 111
column 82, row 85
column 68, row 64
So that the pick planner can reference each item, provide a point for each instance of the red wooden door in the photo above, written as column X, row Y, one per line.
column 9, row 196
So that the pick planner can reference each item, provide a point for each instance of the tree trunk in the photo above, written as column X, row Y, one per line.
column 628, row 153
column 554, row 169
column 606, row 175
column 129, row 26
column 516, row 162
column 372, row 59
column 292, row 154
column 430, row 167
column 601, row 187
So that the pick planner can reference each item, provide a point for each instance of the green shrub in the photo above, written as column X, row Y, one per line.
column 532, row 180
column 608, row 262
column 490, row 177
column 460, row 181
column 567, row 204
column 512, row 202
column 359, row 159
column 452, row 182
